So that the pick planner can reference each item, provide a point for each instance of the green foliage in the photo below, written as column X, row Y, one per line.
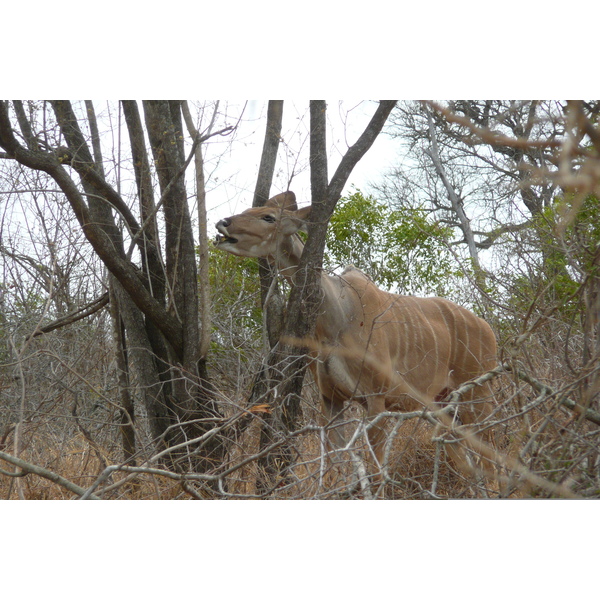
column 400, row 249
column 568, row 237
column 235, row 286
column 583, row 234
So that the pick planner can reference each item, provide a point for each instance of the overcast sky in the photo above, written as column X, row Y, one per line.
column 237, row 170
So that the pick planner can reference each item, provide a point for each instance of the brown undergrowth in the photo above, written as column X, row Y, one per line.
column 540, row 443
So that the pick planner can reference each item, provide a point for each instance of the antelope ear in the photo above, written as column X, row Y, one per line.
column 291, row 222
column 285, row 201
column 303, row 213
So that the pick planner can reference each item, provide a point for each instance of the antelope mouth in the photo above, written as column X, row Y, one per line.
column 224, row 239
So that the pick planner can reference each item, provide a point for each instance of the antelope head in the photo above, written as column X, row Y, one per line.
column 264, row 232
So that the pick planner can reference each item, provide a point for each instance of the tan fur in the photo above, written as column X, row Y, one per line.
column 386, row 351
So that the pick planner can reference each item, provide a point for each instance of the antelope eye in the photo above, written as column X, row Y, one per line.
column 269, row 219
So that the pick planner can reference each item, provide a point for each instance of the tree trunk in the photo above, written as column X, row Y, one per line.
column 203, row 250
column 288, row 361
column 193, row 401
column 122, row 366
column 305, row 298
column 455, row 201
column 159, row 334
column 265, row 180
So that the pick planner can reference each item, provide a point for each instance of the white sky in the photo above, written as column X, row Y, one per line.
column 237, row 172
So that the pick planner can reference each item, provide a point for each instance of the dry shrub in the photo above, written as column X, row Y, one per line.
column 549, row 440
column 418, row 465
column 80, row 461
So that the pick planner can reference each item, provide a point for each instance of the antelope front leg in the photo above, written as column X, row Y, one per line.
column 332, row 410
column 335, row 440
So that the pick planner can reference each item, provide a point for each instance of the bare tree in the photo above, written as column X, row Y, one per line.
column 474, row 159
column 157, row 302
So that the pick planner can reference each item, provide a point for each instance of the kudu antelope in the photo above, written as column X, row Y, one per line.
column 386, row 351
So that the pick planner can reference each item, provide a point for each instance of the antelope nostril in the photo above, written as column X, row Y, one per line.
column 224, row 223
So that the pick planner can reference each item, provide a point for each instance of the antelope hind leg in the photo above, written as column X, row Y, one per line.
column 475, row 408
column 376, row 435
column 335, row 440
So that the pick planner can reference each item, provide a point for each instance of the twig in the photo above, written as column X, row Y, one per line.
column 494, row 138
column 588, row 413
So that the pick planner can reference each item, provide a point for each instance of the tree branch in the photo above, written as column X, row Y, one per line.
column 123, row 270
column 77, row 315
column 46, row 474
column 359, row 149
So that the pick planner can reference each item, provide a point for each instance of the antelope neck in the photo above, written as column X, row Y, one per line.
column 287, row 257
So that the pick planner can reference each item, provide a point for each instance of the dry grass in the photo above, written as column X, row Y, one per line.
column 315, row 473
column 556, row 445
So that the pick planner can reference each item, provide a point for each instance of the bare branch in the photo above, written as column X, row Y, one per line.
column 493, row 138
column 46, row 474
column 77, row 315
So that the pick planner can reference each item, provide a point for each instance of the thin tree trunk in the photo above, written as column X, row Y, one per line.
column 266, row 171
column 306, row 294
column 203, row 251
column 126, row 401
column 120, row 344
column 193, row 397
